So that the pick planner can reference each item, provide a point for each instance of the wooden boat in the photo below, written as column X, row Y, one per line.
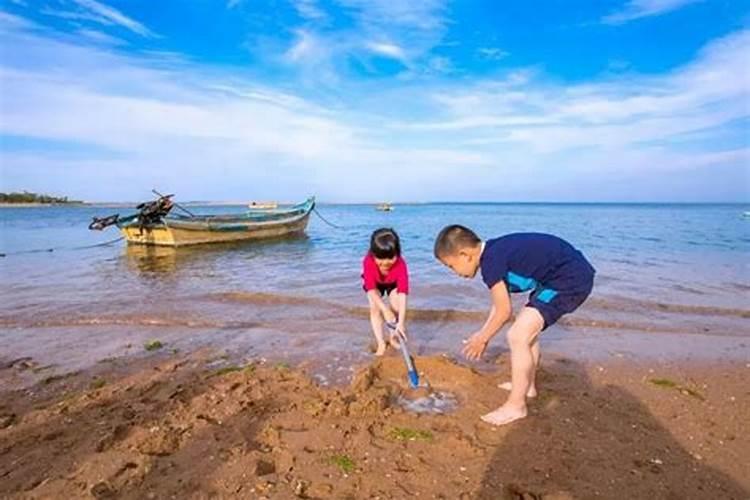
column 262, row 205
column 384, row 207
column 158, row 227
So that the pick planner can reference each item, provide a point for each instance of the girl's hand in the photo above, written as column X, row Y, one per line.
column 389, row 316
column 475, row 346
column 402, row 330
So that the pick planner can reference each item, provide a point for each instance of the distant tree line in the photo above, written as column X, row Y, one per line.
column 27, row 197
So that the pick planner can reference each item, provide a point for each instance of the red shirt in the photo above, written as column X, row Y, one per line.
column 398, row 274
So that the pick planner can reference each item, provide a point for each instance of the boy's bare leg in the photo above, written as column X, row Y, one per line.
column 376, row 321
column 521, row 336
column 536, row 356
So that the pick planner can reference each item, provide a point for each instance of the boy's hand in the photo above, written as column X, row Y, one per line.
column 475, row 346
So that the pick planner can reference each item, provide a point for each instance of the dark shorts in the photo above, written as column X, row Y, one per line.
column 384, row 288
column 553, row 303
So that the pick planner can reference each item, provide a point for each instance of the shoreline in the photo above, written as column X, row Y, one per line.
column 144, row 426
column 118, row 204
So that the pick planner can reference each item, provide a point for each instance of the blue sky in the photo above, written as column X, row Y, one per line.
column 368, row 100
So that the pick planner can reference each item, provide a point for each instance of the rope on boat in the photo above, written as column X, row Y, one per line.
column 56, row 249
column 324, row 219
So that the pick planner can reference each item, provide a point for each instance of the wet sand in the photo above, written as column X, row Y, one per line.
column 195, row 425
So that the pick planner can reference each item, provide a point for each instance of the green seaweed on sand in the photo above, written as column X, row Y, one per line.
column 225, row 370
column 248, row 369
column 406, row 434
column 97, row 383
column 343, row 462
column 153, row 345
column 671, row 384
column 56, row 378
column 692, row 392
column 663, row 382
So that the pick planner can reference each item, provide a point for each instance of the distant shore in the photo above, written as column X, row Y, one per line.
column 29, row 205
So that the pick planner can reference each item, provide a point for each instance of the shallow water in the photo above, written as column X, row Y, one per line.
column 672, row 280
column 436, row 403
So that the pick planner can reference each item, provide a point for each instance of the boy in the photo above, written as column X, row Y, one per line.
column 558, row 276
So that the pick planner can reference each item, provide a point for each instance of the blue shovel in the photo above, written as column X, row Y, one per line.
column 413, row 375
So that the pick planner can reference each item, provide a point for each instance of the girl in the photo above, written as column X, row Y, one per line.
column 384, row 273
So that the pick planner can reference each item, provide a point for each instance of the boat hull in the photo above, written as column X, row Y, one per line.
column 201, row 231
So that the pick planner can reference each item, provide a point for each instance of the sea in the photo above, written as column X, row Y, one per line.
column 673, row 281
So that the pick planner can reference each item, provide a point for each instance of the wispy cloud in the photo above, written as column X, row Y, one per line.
column 101, row 38
column 166, row 119
column 177, row 123
column 309, row 9
column 97, row 12
column 492, row 53
column 388, row 50
column 637, row 9
column 12, row 22
column 380, row 28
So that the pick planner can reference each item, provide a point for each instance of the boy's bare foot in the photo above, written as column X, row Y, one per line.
column 505, row 415
column 531, row 393
column 380, row 350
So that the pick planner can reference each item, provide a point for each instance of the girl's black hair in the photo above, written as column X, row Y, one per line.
column 384, row 243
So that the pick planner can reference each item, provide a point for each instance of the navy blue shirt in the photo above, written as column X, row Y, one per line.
column 530, row 261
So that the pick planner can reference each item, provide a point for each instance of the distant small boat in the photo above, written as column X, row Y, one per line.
column 746, row 215
column 384, row 207
column 153, row 225
column 262, row 205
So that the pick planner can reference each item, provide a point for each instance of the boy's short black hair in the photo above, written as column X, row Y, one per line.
column 385, row 244
column 454, row 238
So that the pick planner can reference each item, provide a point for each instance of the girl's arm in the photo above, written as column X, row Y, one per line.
column 403, row 291
column 402, row 311
column 378, row 301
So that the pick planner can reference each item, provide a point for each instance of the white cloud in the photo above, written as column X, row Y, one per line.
column 637, row 9
column 309, row 9
column 618, row 112
column 150, row 120
column 405, row 31
column 439, row 64
column 178, row 127
column 99, row 37
column 91, row 10
column 388, row 50
column 13, row 22
column 492, row 53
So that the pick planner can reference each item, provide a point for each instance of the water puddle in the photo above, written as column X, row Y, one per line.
column 435, row 403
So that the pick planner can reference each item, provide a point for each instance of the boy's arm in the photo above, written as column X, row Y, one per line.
column 499, row 315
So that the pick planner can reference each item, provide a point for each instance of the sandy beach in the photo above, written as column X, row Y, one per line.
column 166, row 425
column 264, row 387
